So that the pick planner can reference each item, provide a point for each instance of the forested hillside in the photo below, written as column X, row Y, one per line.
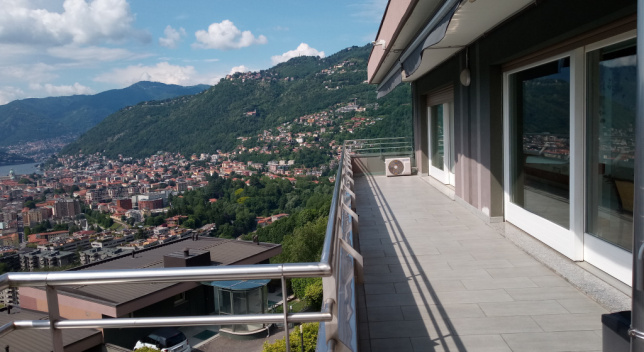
column 42, row 118
column 245, row 104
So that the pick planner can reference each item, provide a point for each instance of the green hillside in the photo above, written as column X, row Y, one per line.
column 42, row 118
column 242, row 105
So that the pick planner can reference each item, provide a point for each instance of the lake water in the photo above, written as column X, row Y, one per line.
column 20, row 169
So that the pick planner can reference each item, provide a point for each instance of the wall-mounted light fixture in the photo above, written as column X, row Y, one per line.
column 379, row 42
column 466, row 79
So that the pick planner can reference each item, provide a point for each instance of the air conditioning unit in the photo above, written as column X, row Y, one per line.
column 398, row 166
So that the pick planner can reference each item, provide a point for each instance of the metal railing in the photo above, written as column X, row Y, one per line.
column 336, row 267
column 399, row 146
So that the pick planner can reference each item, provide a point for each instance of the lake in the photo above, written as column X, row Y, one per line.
column 20, row 169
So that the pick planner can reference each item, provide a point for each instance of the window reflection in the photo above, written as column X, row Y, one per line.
column 540, row 140
column 611, row 143
column 437, row 137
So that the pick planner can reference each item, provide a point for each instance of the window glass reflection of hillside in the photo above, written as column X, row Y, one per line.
column 611, row 142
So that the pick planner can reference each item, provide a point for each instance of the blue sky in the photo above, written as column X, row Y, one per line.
column 66, row 47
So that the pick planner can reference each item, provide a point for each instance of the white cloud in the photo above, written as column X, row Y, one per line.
column 162, row 72
column 62, row 90
column 9, row 94
column 92, row 54
column 240, row 68
column 80, row 22
column 172, row 37
column 302, row 50
column 39, row 72
column 225, row 36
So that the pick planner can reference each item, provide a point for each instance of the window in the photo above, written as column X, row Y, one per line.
column 611, row 109
column 569, row 152
column 540, row 140
column 440, row 135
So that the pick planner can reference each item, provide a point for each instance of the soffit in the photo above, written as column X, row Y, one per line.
column 407, row 31
column 471, row 21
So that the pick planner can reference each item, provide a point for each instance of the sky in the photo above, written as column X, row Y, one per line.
column 67, row 47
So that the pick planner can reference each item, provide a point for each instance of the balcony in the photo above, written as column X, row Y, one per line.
column 429, row 276
column 439, row 278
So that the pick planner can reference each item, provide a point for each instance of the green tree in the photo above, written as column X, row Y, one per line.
column 310, row 340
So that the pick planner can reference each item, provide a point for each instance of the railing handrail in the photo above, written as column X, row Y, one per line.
column 164, row 275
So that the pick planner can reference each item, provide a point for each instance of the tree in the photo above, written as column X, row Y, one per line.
column 310, row 340
column 30, row 204
column 24, row 181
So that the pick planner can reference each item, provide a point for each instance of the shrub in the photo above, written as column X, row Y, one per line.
column 146, row 349
column 310, row 340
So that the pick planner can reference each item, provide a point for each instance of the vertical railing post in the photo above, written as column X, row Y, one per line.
column 637, row 317
column 285, row 308
column 54, row 317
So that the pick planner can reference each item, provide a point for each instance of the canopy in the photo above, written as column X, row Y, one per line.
column 238, row 285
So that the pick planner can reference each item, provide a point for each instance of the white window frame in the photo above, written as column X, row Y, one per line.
column 575, row 243
column 569, row 242
column 613, row 260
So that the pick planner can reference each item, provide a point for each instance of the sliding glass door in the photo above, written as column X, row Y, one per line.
column 570, row 149
column 441, row 160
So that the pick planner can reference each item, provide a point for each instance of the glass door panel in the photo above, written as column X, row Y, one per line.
column 440, row 147
column 611, row 110
column 540, row 140
column 436, row 129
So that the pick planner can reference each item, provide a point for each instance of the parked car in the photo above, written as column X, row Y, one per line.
column 165, row 340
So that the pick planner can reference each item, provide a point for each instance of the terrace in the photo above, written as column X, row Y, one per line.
column 435, row 276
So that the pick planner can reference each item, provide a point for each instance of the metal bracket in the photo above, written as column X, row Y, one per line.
column 636, row 333
column 357, row 257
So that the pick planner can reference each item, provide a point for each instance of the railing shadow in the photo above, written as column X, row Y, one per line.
column 368, row 192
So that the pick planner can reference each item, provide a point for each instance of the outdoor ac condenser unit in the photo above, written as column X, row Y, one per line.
column 398, row 166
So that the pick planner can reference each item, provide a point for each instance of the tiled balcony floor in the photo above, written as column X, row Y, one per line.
column 437, row 278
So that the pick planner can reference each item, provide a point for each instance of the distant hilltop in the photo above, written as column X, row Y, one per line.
column 36, row 119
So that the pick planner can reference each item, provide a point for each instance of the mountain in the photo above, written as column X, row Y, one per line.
column 42, row 118
column 243, row 104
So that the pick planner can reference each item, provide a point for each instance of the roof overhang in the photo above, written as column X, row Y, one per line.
column 467, row 21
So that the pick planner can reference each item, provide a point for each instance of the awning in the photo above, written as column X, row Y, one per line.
column 431, row 35
column 238, row 285
column 410, row 65
column 456, row 25
column 390, row 84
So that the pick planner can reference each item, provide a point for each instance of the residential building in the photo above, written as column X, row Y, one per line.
column 45, row 258
column 125, row 203
column 74, row 340
column 151, row 300
column 9, row 297
column 66, row 208
column 151, row 204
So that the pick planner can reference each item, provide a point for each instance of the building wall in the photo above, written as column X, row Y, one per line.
column 478, row 108
column 198, row 301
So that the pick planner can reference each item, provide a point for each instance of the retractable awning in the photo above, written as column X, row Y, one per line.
column 410, row 60
column 456, row 25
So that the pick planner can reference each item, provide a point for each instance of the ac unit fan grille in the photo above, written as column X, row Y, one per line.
column 396, row 167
